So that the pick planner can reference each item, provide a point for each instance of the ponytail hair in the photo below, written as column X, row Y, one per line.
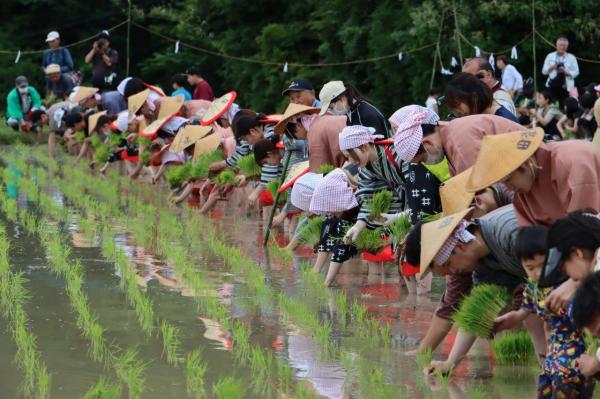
column 353, row 94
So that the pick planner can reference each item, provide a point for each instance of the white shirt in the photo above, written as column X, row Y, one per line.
column 570, row 63
column 511, row 78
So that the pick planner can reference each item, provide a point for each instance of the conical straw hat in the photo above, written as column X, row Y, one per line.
column 188, row 136
column 272, row 118
column 294, row 174
column 135, row 102
column 218, row 107
column 292, row 110
column 207, row 145
column 502, row 154
column 82, row 93
column 454, row 194
column 434, row 235
column 170, row 106
column 93, row 120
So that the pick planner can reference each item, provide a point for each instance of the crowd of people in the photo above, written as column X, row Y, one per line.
column 513, row 176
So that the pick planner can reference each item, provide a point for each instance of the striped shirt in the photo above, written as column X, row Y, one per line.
column 377, row 176
column 270, row 173
column 244, row 148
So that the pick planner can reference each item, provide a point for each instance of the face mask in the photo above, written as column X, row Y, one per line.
column 340, row 108
column 433, row 159
column 23, row 90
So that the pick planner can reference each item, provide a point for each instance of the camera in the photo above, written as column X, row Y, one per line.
column 101, row 43
column 560, row 65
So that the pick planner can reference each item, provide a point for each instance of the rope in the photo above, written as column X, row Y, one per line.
column 67, row 46
column 278, row 63
column 495, row 52
column 553, row 45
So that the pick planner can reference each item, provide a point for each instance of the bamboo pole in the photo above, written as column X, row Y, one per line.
column 128, row 36
column 286, row 162
column 457, row 33
column 533, row 28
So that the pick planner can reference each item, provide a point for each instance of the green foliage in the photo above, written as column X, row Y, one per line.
column 101, row 154
column 379, row 203
column 513, row 348
column 229, row 388
column 79, row 136
column 115, row 139
column 201, row 170
column 369, row 240
column 226, row 177
column 478, row 310
column 248, row 166
column 96, row 141
column 399, row 228
column 325, row 168
column 194, row 374
column 103, row 390
column 310, row 233
column 176, row 175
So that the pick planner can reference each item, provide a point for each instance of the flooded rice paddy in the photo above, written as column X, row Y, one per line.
column 128, row 296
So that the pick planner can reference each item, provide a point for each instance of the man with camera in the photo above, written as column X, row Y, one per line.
column 104, row 62
column 562, row 69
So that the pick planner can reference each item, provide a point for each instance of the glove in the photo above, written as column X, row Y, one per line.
column 392, row 217
column 354, row 231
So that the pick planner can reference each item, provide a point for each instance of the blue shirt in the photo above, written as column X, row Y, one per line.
column 186, row 94
column 60, row 56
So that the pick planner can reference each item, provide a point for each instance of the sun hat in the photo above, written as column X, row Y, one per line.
column 207, row 145
column 81, row 93
column 295, row 172
column 502, row 154
column 435, row 234
column 357, row 135
column 218, row 107
column 122, row 121
column 330, row 91
column 52, row 68
column 52, row 36
column 291, row 111
column 174, row 124
column 188, row 136
column 454, row 194
column 333, row 194
column 169, row 108
column 135, row 102
column 303, row 190
column 409, row 133
column 298, row 84
column 93, row 120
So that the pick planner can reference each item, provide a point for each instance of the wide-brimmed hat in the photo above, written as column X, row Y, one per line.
column 169, row 108
column 293, row 174
column 218, row 107
column 271, row 118
column 454, row 195
column 434, row 235
column 303, row 190
column 52, row 68
column 188, row 136
column 81, row 93
column 330, row 91
column 502, row 154
column 93, row 120
column 135, row 102
column 291, row 111
column 207, row 145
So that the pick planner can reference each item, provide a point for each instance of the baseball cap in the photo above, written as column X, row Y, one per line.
column 52, row 36
column 21, row 81
column 298, row 84
column 52, row 68
column 330, row 91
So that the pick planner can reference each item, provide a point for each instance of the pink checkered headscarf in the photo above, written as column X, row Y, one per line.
column 357, row 135
column 303, row 189
column 409, row 134
column 333, row 194
column 461, row 234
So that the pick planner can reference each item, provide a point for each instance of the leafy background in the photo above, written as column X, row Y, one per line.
column 309, row 31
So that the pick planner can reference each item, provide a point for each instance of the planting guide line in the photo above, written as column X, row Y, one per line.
column 193, row 231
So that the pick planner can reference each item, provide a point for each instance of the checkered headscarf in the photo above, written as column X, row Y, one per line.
column 174, row 124
column 409, row 133
column 333, row 194
column 303, row 189
column 460, row 234
column 357, row 135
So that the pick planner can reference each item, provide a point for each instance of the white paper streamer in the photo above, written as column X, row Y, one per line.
column 445, row 71
column 492, row 61
column 285, row 67
column 18, row 57
column 477, row 52
column 400, row 56
column 513, row 53
column 453, row 62
column 177, row 47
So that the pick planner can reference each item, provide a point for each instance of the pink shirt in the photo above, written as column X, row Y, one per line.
column 569, row 179
column 461, row 138
column 324, row 142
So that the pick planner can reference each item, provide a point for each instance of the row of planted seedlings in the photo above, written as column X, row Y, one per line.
column 261, row 362
column 126, row 365
column 302, row 315
column 13, row 296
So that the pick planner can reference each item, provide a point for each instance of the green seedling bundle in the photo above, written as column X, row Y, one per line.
column 201, row 169
column 513, row 348
column 379, row 203
column 226, row 177
column 229, row 388
column 399, row 228
column 479, row 309
column 103, row 389
column 325, row 168
column 310, row 233
column 369, row 240
column 273, row 186
column 102, row 153
column 194, row 374
column 248, row 166
column 176, row 175
column 171, row 343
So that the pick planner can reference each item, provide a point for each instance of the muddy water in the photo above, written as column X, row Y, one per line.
column 64, row 350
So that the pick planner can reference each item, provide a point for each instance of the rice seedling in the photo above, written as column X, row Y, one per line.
column 79, row 137
column 101, row 154
column 369, row 240
column 424, row 358
column 171, row 343
column 371, row 384
column 261, row 363
column 478, row 310
column 96, row 141
column 226, row 177
column 130, row 370
column 145, row 157
column 478, row 392
column 273, row 186
column 103, row 390
column 201, row 168
column 248, row 166
column 341, row 305
column 379, row 203
column 325, row 168
column 310, row 233
column 229, row 388
column 513, row 348
column 284, row 375
column 444, row 377
column 176, row 175
column 399, row 228
column 143, row 142
column 194, row 374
